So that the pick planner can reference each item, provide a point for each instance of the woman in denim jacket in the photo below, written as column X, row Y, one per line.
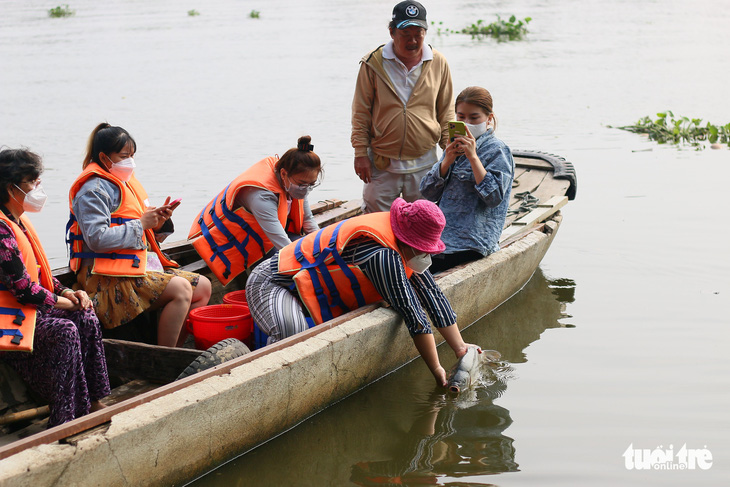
column 471, row 183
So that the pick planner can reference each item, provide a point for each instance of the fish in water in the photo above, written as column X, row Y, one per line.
column 467, row 370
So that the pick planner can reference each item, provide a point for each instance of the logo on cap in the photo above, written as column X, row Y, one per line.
column 412, row 11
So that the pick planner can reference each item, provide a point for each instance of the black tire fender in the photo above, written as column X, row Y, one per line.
column 223, row 351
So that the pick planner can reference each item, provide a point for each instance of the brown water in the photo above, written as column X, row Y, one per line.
column 640, row 263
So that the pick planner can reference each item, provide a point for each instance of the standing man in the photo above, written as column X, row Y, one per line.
column 403, row 101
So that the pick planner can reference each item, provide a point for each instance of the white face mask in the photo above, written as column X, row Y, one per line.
column 123, row 169
column 478, row 129
column 34, row 199
column 419, row 263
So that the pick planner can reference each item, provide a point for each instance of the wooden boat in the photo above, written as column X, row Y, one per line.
column 170, row 431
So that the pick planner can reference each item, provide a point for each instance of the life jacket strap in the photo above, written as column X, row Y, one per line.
column 17, row 312
column 72, row 237
column 311, row 268
column 217, row 251
column 16, row 334
column 231, row 216
column 321, row 253
column 109, row 255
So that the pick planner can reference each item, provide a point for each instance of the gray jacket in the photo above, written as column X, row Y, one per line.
column 93, row 206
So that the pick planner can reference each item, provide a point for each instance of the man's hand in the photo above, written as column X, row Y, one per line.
column 362, row 168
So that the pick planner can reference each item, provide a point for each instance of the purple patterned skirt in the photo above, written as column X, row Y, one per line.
column 67, row 366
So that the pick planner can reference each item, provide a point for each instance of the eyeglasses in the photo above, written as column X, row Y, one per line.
column 307, row 186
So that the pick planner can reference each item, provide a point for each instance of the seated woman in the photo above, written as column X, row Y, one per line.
column 362, row 260
column 471, row 183
column 264, row 208
column 114, row 248
column 51, row 330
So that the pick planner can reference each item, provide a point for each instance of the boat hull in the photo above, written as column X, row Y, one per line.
column 227, row 410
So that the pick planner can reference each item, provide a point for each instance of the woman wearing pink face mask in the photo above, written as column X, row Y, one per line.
column 113, row 236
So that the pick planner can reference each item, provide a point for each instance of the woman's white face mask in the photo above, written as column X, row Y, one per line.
column 416, row 260
column 34, row 199
column 123, row 169
column 478, row 129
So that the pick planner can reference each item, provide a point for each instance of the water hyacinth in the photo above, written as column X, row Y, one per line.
column 61, row 11
column 680, row 131
column 502, row 30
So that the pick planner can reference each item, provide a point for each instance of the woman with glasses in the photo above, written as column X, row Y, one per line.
column 49, row 334
column 260, row 211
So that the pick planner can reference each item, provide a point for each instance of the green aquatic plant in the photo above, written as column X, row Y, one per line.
column 254, row 14
column 61, row 11
column 193, row 13
column 682, row 130
column 502, row 30
column 441, row 30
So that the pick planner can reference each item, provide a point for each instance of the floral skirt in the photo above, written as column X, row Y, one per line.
column 118, row 300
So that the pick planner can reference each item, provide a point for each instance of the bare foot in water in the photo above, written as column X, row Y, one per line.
column 96, row 405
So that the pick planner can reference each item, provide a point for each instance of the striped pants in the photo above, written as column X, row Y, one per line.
column 276, row 310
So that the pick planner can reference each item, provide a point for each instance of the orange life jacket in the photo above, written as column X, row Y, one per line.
column 328, row 286
column 17, row 321
column 230, row 239
column 122, row 262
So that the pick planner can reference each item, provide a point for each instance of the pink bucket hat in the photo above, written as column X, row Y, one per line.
column 418, row 224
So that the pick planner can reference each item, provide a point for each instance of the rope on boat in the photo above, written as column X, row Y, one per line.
column 529, row 202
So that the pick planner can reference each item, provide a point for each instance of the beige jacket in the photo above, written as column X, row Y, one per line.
column 394, row 131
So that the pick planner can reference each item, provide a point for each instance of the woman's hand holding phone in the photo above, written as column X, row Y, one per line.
column 175, row 203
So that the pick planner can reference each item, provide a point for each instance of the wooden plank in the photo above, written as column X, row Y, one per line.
column 324, row 205
column 529, row 221
column 554, row 201
column 25, row 415
column 507, row 240
column 542, row 213
column 155, row 363
column 345, row 210
column 551, row 187
column 530, row 180
column 533, row 163
column 519, row 171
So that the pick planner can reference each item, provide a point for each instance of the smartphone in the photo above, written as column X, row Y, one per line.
column 456, row 128
column 174, row 204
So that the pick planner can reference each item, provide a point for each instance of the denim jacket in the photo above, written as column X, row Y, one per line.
column 475, row 213
column 93, row 206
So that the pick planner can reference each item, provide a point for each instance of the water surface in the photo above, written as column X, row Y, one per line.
column 643, row 251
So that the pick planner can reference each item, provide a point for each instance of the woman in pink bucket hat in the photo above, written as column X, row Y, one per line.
column 363, row 260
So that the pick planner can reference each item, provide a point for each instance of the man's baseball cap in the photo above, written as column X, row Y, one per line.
column 409, row 13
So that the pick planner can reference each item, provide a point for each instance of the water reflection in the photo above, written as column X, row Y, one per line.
column 454, row 437
column 540, row 305
column 400, row 431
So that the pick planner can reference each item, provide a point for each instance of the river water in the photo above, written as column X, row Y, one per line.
column 618, row 342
